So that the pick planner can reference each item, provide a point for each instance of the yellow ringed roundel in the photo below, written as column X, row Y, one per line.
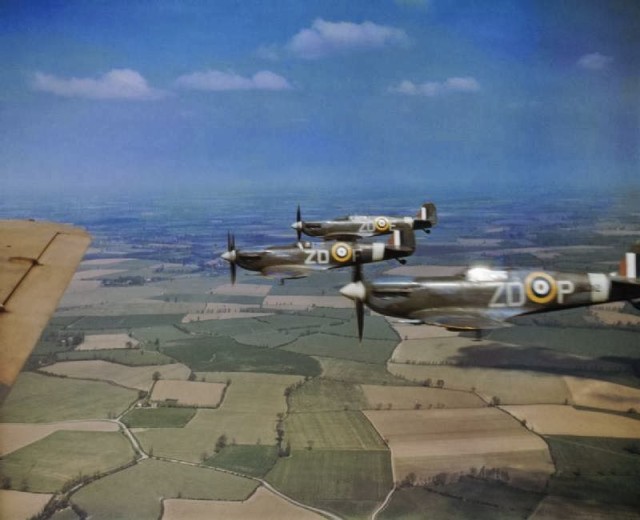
column 541, row 287
column 341, row 252
column 382, row 224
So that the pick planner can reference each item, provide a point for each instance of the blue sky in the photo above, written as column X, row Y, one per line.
column 416, row 93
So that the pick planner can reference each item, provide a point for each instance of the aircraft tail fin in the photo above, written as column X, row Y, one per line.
column 630, row 263
column 426, row 217
column 402, row 240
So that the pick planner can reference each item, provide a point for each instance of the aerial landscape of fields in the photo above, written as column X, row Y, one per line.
column 159, row 390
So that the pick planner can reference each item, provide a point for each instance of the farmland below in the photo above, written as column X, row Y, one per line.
column 188, row 395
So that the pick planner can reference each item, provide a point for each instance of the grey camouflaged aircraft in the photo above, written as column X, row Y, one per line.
column 355, row 227
column 483, row 298
column 303, row 258
column 37, row 261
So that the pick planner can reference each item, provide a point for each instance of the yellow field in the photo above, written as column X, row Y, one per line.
column 430, row 442
column 17, row 505
column 90, row 274
column 107, row 341
column 190, row 393
column 305, row 303
column 549, row 419
column 510, row 386
column 444, row 350
column 139, row 378
column 408, row 397
column 14, row 436
column 102, row 261
column 602, row 394
column 263, row 505
column 243, row 289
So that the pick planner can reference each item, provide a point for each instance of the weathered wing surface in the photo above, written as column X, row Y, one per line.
column 37, row 261
column 345, row 236
column 459, row 319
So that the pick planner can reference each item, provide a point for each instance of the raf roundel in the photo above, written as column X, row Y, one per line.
column 341, row 252
column 382, row 224
column 541, row 288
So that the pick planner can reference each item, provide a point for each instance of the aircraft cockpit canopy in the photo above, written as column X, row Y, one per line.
column 485, row 274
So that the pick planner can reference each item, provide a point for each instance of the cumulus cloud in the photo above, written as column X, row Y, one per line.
column 115, row 84
column 216, row 80
column 435, row 88
column 594, row 61
column 325, row 38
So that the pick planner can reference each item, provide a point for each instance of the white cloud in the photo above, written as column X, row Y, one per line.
column 435, row 88
column 115, row 84
column 215, row 80
column 324, row 38
column 594, row 61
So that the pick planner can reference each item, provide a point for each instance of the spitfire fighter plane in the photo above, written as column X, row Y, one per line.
column 302, row 258
column 483, row 298
column 355, row 227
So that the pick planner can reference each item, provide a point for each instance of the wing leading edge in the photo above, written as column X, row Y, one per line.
column 37, row 262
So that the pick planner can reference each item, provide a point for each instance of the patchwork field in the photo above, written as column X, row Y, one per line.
column 262, row 504
column 602, row 394
column 325, row 395
column 139, row 378
column 18, row 505
column 37, row 398
column 107, row 341
column 566, row 420
column 349, row 483
column 510, row 386
column 304, row 303
column 343, row 347
column 137, row 491
column 409, row 398
column 357, row 372
column 248, row 415
column 46, row 465
column 459, row 442
column 243, row 289
column 188, row 393
column 15, row 436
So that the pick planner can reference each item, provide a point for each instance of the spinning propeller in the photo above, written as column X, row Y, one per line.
column 230, row 256
column 297, row 225
column 357, row 292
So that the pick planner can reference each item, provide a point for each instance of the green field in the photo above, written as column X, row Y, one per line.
column 255, row 461
column 358, row 372
column 348, row 483
column 332, row 430
column 224, row 354
column 324, row 395
column 129, row 357
column 46, row 465
column 470, row 498
column 248, row 415
column 163, row 417
column 162, row 333
column 38, row 398
column 344, row 347
column 136, row 492
column 583, row 456
column 124, row 322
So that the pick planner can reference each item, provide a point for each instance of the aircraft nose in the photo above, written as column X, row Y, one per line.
column 354, row 291
column 229, row 256
column 297, row 225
